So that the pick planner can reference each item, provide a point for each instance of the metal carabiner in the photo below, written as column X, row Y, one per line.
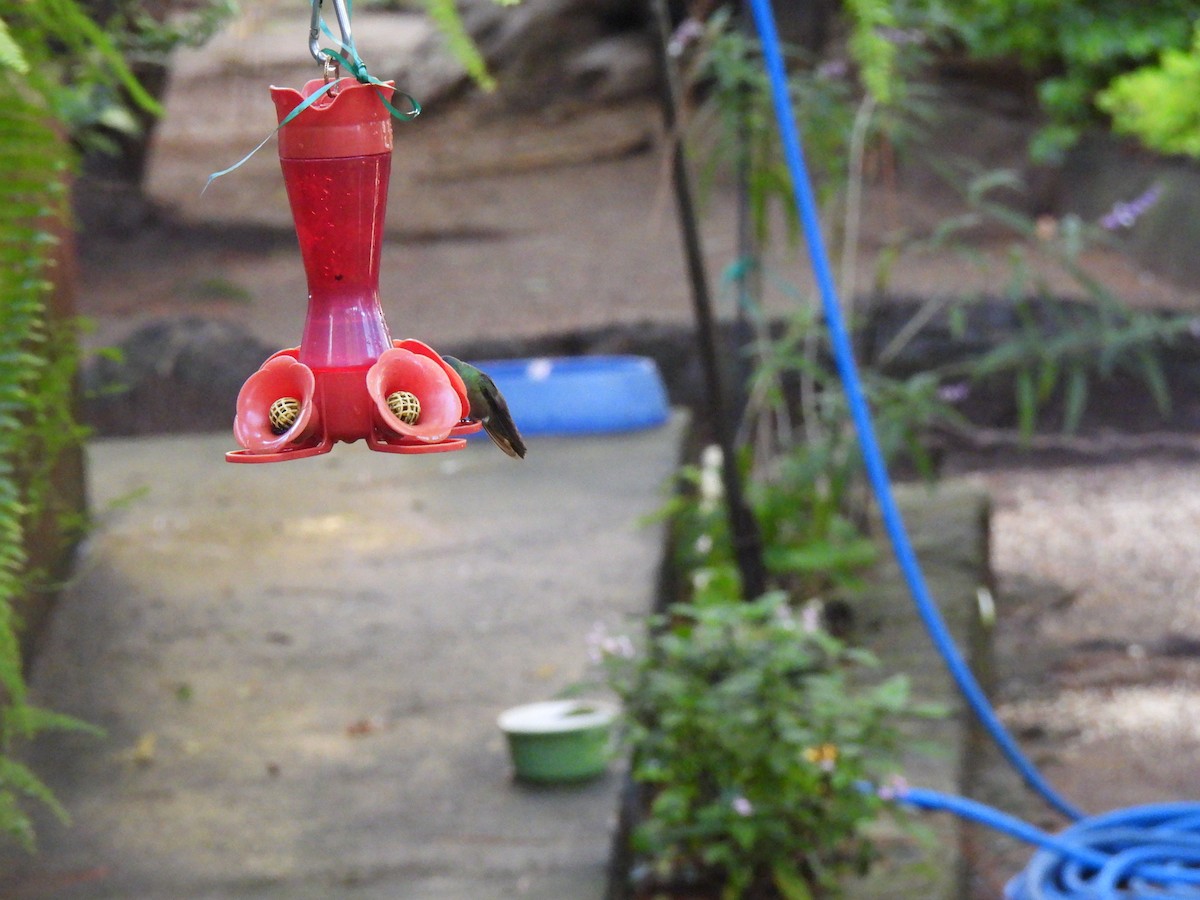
column 314, row 28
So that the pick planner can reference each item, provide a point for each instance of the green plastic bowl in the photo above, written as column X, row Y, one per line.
column 559, row 740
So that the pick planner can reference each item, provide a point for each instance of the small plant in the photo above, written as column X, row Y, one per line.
column 753, row 732
column 1058, row 349
column 811, row 545
column 732, row 127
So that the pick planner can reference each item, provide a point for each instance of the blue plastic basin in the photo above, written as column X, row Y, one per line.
column 581, row 394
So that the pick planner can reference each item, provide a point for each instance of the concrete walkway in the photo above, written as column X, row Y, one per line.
column 298, row 668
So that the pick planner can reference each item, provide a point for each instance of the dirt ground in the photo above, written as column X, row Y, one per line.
column 520, row 225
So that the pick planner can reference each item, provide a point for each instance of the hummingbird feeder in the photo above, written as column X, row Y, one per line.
column 348, row 380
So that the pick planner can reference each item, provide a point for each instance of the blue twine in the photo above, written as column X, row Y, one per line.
column 1141, row 852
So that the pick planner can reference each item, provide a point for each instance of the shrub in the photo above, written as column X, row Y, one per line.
column 1074, row 47
column 754, row 731
column 1158, row 104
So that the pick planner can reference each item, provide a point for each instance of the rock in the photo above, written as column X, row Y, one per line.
column 613, row 69
column 173, row 375
column 409, row 48
column 546, row 50
column 539, row 51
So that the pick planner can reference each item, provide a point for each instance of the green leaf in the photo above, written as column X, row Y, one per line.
column 871, row 50
column 28, row 721
column 893, row 693
column 15, row 823
column 1027, row 406
column 19, row 779
column 790, row 882
column 1157, row 103
column 11, row 56
column 744, row 834
column 445, row 15
column 1155, row 379
column 821, row 555
column 1047, row 377
column 1075, row 399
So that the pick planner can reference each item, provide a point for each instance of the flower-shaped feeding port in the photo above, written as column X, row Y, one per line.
column 281, row 408
column 419, row 401
column 336, row 158
column 282, row 382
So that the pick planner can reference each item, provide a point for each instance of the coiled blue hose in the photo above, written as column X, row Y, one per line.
column 1142, row 852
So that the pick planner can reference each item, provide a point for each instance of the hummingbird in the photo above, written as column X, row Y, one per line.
column 488, row 407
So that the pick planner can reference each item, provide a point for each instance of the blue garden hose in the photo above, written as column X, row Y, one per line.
column 856, row 400
column 1139, row 852
column 1125, row 854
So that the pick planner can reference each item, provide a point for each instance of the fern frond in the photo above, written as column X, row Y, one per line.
column 17, row 778
column 445, row 15
column 80, row 39
column 33, row 202
column 29, row 721
column 10, row 53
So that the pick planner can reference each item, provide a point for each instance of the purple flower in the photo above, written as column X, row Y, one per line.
column 742, row 806
column 954, row 393
column 810, row 616
column 895, row 788
column 833, row 69
column 602, row 645
column 1124, row 214
column 689, row 31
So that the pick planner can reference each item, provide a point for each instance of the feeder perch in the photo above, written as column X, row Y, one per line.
column 348, row 380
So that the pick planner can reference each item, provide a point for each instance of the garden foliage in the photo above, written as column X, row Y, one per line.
column 1060, row 349
column 754, row 730
column 1079, row 51
column 1159, row 103
column 40, row 44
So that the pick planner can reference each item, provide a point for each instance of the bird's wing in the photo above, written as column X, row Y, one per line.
column 498, row 422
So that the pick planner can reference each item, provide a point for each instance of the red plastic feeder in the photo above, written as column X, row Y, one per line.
column 348, row 379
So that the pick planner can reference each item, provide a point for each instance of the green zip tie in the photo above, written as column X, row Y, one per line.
column 346, row 56
column 353, row 63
